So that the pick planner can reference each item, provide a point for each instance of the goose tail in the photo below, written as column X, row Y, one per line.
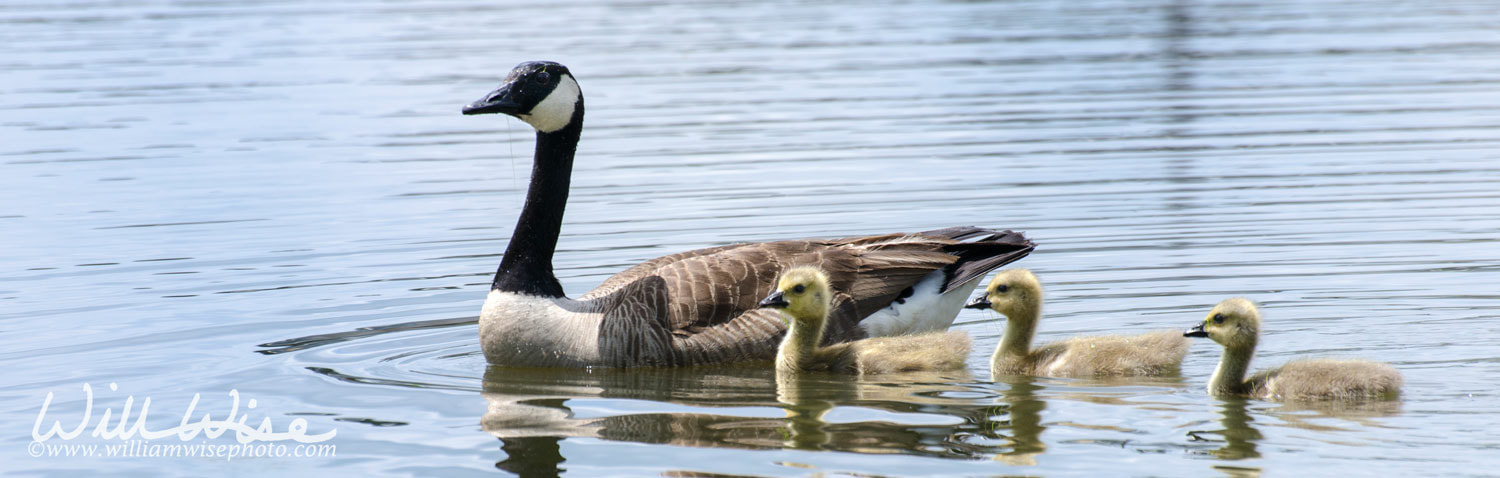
column 979, row 251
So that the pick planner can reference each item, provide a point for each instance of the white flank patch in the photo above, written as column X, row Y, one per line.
column 526, row 330
column 556, row 110
column 924, row 311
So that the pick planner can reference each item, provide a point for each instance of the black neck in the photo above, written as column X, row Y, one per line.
column 527, row 266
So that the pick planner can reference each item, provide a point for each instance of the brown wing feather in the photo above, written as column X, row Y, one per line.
column 705, row 290
column 975, row 259
column 633, row 333
column 752, row 336
column 648, row 268
column 703, row 304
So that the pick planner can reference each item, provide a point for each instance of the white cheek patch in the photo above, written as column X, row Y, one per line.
column 556, row 110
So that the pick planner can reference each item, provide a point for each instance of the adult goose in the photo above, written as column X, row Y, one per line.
column 699, row 307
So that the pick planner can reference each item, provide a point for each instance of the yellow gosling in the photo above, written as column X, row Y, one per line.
column 1235, row 324
column 1017, row 294
column 804, row 297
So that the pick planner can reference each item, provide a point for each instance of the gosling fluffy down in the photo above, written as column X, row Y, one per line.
column 805, row 298
column 1017, row 294
column 1235, row 324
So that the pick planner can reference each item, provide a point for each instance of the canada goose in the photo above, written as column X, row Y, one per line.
column 699, row 306
column 805, row 298
column 1235, row 324
column 1017, row 294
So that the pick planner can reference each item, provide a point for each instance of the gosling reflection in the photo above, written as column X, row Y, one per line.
column 1238, row 435
column 1314, row 415
column 1023, row 412
column 807, row 399
column 532, row 411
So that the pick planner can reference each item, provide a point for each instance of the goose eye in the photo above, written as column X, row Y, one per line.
column 1002, row 288
column 799, row 289
column 1218, row 318
column 541, row 77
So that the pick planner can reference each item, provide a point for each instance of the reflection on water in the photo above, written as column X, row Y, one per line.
column 281, row 198
column 1023, row 422
column 530, row 410
column 917, row 414
column 940, row 415
column 532, row 456
column 1337, row 416
column 807, row 398
column 1237, row 435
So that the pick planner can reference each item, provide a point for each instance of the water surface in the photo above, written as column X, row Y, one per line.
column 280, row 198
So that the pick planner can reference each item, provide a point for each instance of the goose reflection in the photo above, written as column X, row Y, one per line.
column 524, row 403
column 529, row 410
column 532, row 411
column 925, row 397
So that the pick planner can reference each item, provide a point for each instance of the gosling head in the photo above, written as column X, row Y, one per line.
column 1010, row 291
column 1234, row 323
column 541, row 93
column 801, row 293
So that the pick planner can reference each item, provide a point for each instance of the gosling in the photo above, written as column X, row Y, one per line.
column 1235, row 324
column 1017, row 294
column 804, row 298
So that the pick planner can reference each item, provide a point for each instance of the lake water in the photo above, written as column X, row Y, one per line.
column 282, row 199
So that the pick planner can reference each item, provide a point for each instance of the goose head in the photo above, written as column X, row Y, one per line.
column 1234, row 323
column 1010, row 292
column 541, row 93
column 803, row 294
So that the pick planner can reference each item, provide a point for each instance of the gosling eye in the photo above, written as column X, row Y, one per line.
column 799, row 289
column 1001, row 289
column 542, row 77
column 1218, row 318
